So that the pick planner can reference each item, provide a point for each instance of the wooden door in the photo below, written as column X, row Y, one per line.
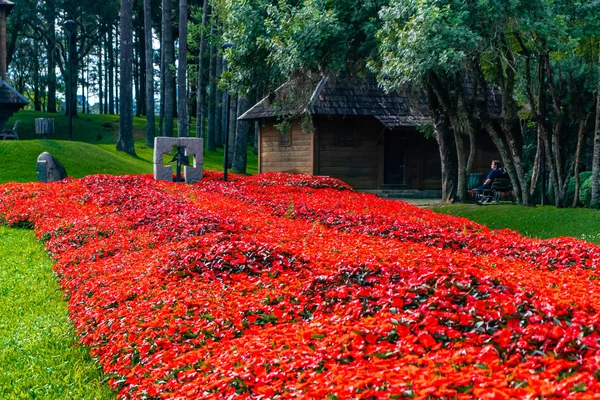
column 394, row 165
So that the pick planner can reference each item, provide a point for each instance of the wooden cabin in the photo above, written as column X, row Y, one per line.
column 357, row 133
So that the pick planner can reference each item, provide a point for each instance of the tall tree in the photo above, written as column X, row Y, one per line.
column 230, row 125
column 168, row 67
column 596, row 160
column 212, row 102
column 182, row 101
column 100, row 70
column 149, row 64
column 111, row 70
column 52, row 52
column 221, row 103
column 125, row 139
column 201, row 82
column 240, row 147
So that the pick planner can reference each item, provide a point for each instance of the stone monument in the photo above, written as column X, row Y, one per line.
column 185, row 147
column 49, row 169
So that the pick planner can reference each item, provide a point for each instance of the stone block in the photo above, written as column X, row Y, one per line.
column 163, row 145
column 192, row 174
column 162, row 173
column 49, row 169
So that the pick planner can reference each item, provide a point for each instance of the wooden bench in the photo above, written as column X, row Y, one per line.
column 501, row 190
column 13, row 134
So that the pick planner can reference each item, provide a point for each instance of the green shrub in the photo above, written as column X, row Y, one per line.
column 583, row 176
column 585, row 192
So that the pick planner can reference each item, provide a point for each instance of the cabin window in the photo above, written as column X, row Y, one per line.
column 285, row 138
column 346, row 138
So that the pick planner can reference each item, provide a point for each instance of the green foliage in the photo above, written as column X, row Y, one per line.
column 307, row 37
column 37, row 352
column 419, row 38
column 583, row 176
column 585, row 192
column 277, row 40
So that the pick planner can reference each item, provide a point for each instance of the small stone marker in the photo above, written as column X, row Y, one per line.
column 49, row 169
column 192, row 147
column 44, row 126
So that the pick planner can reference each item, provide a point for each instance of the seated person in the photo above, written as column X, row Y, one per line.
column 495, row 173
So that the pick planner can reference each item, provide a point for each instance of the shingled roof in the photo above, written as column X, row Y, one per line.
column 343, row 96
column 9, row 96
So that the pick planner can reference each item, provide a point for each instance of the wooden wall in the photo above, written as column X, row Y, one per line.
column 327, row 152
column 297, row 158
column 423, row 167
column 359, row 165
column 485, row 152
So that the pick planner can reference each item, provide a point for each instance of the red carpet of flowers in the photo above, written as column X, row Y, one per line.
column 282, row 286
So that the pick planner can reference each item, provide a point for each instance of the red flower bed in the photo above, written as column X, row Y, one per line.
column 281, row 286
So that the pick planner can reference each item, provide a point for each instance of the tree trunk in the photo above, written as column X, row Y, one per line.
column 125, row 140
column 117, row 74
column 255, row 141
column 136, row 76
column 241, row 137
column 51, row 48
column 36, row 77
column 212, row 102
column 441, row 92
column 558, row 167
column 221, row 104
column 106, row 74
column 150, row 128
column 141, row 60
column 87, row 85
column 544, row 133
column 537, row 166
column 447, row 148
column 111, row 72
column 201, row 85
column 100, row 81
column 580, row 134
column 182, row 101
column 161, row 115
column 168, row 67
column 231, row 127
column 72, row 75
column 461, row 182
column 595, row 203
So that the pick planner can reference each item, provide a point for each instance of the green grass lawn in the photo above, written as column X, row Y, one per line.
column 38, row 357
column 85, row 155
column 540, row 222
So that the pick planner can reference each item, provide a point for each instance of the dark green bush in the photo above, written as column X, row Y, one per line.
column 585, row 191
column 583, row 176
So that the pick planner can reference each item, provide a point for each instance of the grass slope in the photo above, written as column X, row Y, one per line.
column 18, row 159
column 91, row 152
column 37, row 355
column 540, row 222
column 89, row 128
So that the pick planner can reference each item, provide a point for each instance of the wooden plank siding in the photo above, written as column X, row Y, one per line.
column 297, row 158
column 357, row 164
column 351, row 148
column 485, row 152
column 422, row 157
